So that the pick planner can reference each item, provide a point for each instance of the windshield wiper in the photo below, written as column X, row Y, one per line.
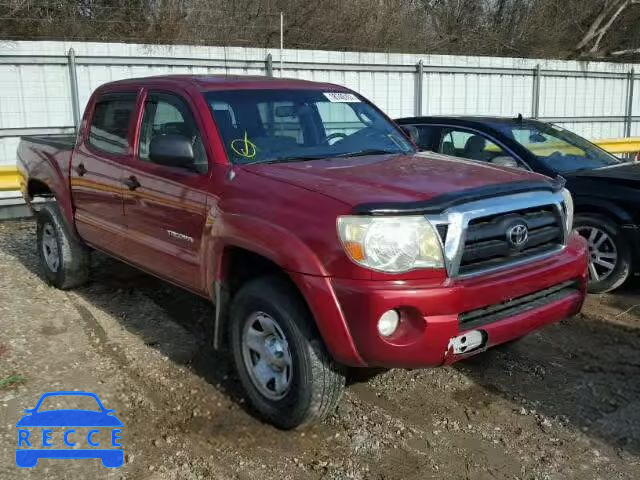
column 302, row 158
column 369, row 151
column 287, row 159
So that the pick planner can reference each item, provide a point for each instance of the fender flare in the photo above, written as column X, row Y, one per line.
column 50, row 174
column 286, row 250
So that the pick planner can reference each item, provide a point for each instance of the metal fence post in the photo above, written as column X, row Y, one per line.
column 73, row 78
column 417, row 108
column 628, row 124
column 535, row 107
column 269, row 65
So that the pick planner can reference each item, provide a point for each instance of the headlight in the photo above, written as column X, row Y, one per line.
column 568, row 209
column 391, row 244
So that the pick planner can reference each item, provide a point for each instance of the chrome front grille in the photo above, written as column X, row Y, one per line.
column 483, row 236
column 488, row 242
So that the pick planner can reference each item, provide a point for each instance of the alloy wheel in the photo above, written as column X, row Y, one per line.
column 603, row 254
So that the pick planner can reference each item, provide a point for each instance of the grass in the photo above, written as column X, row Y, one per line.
column 12, row 381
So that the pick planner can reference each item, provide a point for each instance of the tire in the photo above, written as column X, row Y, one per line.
column 55, row 240
column 310, row 384
column 596, row 228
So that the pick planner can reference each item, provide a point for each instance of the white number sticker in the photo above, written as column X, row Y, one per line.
column 341, row 97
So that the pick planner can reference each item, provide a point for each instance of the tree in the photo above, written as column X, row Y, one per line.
column 610, row 11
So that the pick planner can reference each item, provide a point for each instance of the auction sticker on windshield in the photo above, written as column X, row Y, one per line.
column 341, row 97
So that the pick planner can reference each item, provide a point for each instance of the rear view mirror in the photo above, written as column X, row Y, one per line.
column 172, row 151
column 285, row 111
column 505, row 161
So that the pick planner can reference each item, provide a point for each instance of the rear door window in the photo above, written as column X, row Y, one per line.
column 471, row 145
column 109, row 129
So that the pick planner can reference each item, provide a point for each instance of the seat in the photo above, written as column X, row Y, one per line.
column 448, row 149
column 474, row 149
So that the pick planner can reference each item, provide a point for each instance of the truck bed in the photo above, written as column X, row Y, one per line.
column 43, row 163
column 61, row 142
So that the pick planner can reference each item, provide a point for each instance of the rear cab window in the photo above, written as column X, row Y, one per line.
column 109, row 127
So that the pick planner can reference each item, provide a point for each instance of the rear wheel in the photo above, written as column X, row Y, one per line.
column 609, row 252
column 63, row 256
column 280, row 358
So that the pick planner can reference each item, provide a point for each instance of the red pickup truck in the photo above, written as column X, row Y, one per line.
column 309, row 219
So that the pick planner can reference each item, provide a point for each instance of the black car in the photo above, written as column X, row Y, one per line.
column 606, row 189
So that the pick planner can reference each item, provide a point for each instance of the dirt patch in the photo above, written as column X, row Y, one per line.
column 563, row 403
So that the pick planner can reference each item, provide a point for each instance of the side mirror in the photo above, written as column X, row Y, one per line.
column 505, row 161
column 29, row 410
column 173, row 151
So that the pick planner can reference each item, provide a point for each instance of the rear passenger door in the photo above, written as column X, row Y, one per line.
column 165, row 207
column 97, row 170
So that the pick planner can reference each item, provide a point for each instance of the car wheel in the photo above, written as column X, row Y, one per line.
column 281, row 360
column 64, row 258
column 609, row 252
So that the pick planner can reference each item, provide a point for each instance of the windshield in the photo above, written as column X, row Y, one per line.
column 557, row 148
column 268, row 126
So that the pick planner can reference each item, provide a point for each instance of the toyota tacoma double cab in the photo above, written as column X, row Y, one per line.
column 324, row 239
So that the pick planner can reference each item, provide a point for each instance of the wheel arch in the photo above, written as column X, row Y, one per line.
column 38, row 188
column 238, row 265
column 597, row 206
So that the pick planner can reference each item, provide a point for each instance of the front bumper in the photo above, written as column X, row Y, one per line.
column 431, row 313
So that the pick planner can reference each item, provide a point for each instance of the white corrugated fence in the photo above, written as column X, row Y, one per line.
column 38, row 80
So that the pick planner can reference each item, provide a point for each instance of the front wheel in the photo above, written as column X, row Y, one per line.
column 609, row 252
column 280, row 359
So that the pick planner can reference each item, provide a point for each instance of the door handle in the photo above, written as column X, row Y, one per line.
column 80, row 170
column 132, row 183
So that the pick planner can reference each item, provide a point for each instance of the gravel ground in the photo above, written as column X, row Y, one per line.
column 561, row 404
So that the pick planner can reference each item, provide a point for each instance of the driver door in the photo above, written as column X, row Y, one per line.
column 165, row 207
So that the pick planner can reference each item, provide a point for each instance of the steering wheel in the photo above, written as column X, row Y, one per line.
column 339, row 135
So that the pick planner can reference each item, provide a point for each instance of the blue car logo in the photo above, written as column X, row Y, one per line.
column 31, row 448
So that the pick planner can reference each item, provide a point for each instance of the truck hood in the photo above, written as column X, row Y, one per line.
column 390, row 178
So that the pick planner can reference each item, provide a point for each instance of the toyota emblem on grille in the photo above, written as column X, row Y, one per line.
column 518, row 235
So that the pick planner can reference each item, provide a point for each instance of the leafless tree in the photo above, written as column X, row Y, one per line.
column 608, row 29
